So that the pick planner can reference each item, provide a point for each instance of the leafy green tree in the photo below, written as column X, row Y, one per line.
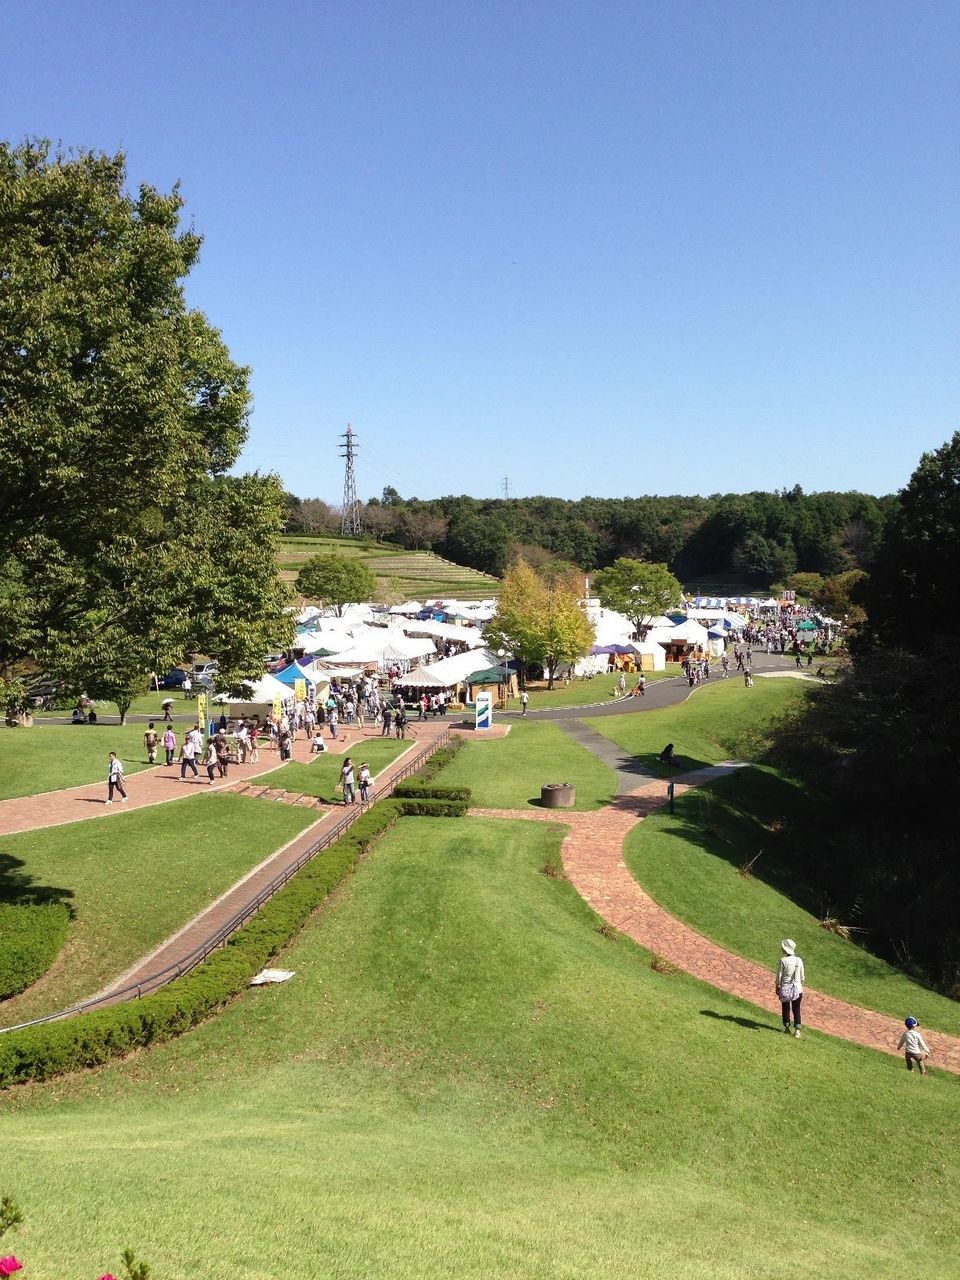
column 566, row 633
column 517, row 622
column 335, row 580
column 637, row 589
column 121, row 410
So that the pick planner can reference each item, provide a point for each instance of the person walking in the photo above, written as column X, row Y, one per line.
column 348, row 782
column 187, row 687
column 333, row 720
column 150, row 740
column 642, row 685
column 789, row 986
column 188, row 756
column 222, row 746
column 400, row 721
column 210, row 761
column 115, row 779
column 387, row 716
column 253, row 742
column 914, row 1046
column 524, row 700
column 166, row 706
column 169, row 744
column 363, row 777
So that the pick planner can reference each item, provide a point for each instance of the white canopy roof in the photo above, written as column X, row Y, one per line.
column 262, row 693
column 423, row 678
column 445, row 631
column 462, row 665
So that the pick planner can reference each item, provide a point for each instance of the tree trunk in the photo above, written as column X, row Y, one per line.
column 123, row 708
column 551, row 670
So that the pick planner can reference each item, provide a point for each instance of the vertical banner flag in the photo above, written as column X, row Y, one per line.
column 300, row 689
column 202, row 710
column 484, row 711
column 277, row 707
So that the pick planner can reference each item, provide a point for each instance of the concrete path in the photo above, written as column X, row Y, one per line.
column 594, row 862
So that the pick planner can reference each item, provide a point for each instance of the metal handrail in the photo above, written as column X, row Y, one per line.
column 217, row 939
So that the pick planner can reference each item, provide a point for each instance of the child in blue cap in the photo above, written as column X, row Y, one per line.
column 914, row 1046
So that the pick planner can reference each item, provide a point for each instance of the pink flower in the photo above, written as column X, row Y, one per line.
column 108, row 1276
column 9, row 1265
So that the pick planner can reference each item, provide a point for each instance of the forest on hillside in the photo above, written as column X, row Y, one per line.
column 752, row 539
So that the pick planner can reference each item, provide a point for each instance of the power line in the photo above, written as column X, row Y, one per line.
column 350, row 511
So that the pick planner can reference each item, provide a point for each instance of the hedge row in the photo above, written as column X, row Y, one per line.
column 440, row 759
column 31, row 935
column 423, row 791
column 432, row 808
column 89, row 1039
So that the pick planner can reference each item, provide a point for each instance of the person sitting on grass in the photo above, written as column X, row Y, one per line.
column 667, row 755
column 317, row 743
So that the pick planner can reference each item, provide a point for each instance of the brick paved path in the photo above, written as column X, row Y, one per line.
column 593, row 860
column 160, row 785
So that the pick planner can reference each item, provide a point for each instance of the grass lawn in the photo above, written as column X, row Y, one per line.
column 48, row 757
column 466, row 1079
column 580, row 693
column 321, row 775
column 507, row 773
column 133, row 880
column 148, row 704
column 708, row 727
column 689, row 862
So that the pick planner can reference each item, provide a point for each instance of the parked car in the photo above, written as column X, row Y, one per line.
column 173, row 679
column 205, row 670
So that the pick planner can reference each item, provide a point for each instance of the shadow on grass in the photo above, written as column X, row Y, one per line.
column 749, row 1024
column 650, row 763
column 18, row 889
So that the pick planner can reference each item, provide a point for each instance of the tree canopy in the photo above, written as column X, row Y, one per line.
column 639, row 590
column 540, row 621
column 120, row 412
column 335, row 580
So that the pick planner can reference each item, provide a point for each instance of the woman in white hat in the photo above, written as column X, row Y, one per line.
column 790, row 977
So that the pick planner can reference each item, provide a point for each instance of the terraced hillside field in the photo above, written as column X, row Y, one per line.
column 406, row 575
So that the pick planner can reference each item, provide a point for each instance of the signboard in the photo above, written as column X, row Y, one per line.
column 300, row 689
column 277, row 707
column 202, row 710
column 483, row 708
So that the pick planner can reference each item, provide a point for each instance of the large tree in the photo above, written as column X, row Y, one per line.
column 540, row 621
column 335, row 580
column 638, row 589
column 120, row 412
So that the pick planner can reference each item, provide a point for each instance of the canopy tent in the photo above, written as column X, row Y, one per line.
column 809, row 625
column 460, row 666
column 259, row 697
column 423, row 678
column 297, row 671
column 445, row 631
column 411, row 607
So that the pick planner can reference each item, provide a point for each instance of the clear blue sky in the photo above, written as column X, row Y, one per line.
column 608, row 248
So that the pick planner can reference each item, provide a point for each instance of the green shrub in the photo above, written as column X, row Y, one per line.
column 31, row 935
column 440, row 759
column 432, row 808
column 415, row 790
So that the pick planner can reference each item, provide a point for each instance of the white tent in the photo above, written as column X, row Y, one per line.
column 260, row 697
column 461, row 666
column 423, row 678
column 412, row 606
column 445, row 631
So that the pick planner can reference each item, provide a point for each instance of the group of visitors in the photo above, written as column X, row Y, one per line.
column 350, row 779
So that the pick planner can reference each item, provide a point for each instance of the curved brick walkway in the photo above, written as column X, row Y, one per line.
column 593, row 860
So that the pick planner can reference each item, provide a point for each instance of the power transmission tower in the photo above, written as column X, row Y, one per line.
column 350, row 512
column 506, row 486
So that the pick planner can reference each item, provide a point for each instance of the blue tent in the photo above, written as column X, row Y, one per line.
column 294, row 672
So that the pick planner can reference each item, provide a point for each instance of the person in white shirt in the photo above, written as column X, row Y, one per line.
column 914, row 1046
column 790, row 979
column 115, row 779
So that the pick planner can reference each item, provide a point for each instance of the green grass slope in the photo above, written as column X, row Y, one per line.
column 466, row 1079
column 413, row 575
column 133, row 880
column 690, row 862
column 507, row 773
column 48, row 757
column 717, row 721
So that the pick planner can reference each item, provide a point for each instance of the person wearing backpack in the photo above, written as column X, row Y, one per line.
column 790, row 979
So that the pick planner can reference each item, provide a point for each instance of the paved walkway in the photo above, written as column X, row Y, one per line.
column 593, row 860
column 160, row 785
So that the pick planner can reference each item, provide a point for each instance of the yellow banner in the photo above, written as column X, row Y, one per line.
column 202, row 710
column 300, row 689
column 277, row 707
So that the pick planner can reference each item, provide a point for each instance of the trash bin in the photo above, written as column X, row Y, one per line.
column 558, row 795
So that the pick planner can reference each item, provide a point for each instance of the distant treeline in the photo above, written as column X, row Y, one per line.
column 749, row 538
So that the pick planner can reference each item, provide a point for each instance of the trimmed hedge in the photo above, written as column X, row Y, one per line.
column 89, row 1039
column 31, row 935
column 432, row 808
column 440, row 759
column 422, row 791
